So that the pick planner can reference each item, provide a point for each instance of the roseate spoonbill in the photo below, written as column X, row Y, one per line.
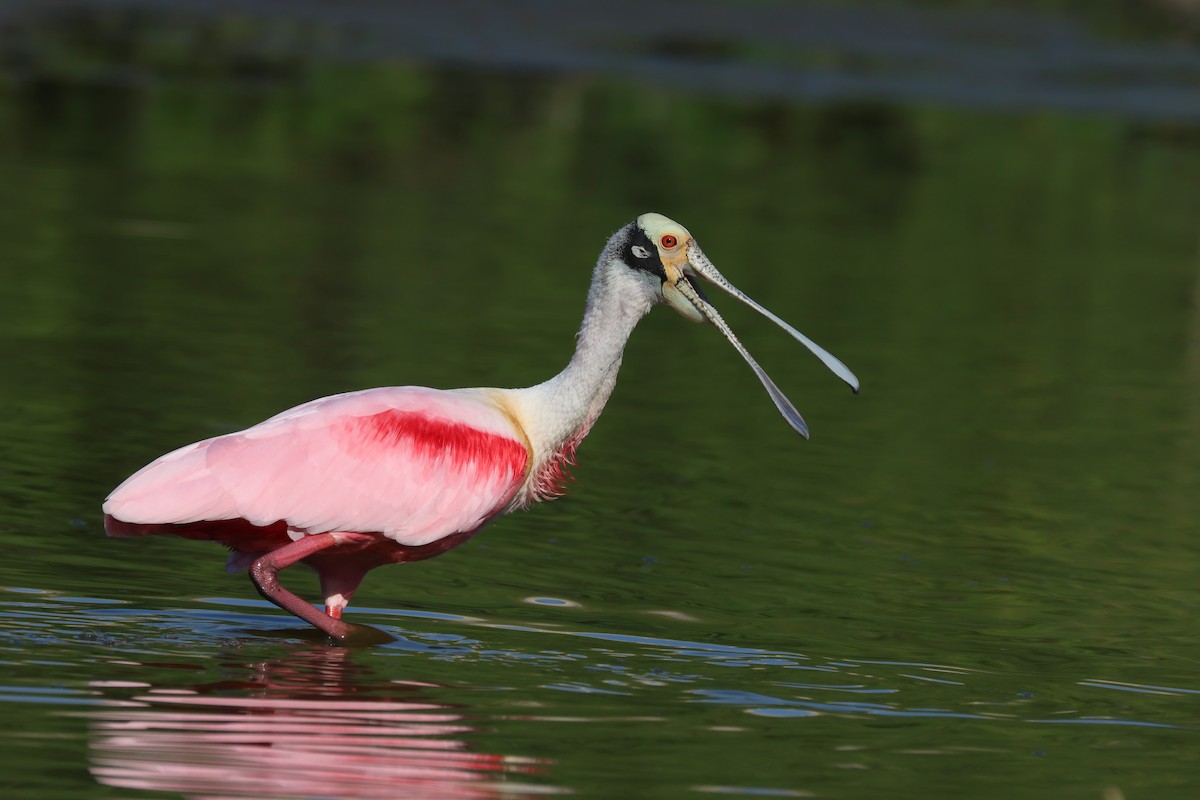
column 350, row 482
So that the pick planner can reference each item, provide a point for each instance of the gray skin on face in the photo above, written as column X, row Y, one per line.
column 641, row 253
column 666, row 254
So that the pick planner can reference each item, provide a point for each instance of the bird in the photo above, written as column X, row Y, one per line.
column 350, row 482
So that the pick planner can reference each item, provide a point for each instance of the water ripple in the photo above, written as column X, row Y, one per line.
column 654, row 670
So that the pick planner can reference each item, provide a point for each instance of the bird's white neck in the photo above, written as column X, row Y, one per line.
column 558, row 413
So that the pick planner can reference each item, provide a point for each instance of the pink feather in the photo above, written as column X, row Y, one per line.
column 356, row 462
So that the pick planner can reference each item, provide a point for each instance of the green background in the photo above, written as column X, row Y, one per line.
column 978, row 579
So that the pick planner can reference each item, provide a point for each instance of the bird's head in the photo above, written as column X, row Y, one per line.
column 670, row 260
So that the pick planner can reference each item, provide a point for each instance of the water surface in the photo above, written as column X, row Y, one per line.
column 977, row 579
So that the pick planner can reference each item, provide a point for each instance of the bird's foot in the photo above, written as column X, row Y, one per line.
column 350, row 634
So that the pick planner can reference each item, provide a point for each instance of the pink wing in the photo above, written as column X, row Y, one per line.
column 412, row 463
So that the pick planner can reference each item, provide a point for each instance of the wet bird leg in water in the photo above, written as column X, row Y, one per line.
column 265, row 574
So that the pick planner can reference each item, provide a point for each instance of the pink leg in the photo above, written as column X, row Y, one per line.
column 338, row 582
column 264, row 572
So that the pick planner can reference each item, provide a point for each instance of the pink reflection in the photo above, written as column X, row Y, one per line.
column 298, row 728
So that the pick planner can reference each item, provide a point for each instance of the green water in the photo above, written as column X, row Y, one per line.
column 978, row 579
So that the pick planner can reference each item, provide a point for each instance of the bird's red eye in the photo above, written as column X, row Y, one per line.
column 669, row 241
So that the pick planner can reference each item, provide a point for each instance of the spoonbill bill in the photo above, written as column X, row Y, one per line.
column 354, row 481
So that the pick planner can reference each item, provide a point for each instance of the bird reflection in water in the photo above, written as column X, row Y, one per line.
column 305, row 726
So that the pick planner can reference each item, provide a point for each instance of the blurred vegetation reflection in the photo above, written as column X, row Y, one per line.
column 1013, row 493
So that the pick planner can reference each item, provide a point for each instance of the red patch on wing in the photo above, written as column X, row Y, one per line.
column 235, row 533
column 428, row 439
column 238, row 534
column 438, row 439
